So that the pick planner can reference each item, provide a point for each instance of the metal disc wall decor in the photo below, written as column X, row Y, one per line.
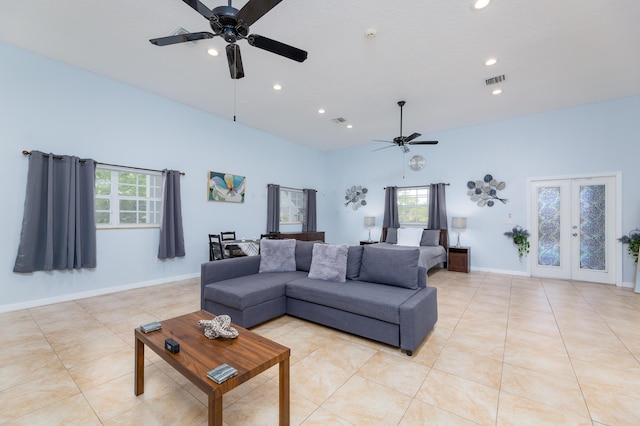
column 356, row 196
column 485, row 192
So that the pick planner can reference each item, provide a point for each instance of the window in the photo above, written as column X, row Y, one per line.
column 127, row 198
column 413, row 206
column 290, row 206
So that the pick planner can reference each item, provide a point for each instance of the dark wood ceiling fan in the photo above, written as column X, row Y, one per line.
column 404, row 141
column 233, row 25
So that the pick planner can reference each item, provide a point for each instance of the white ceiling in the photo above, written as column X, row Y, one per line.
column 431, row 53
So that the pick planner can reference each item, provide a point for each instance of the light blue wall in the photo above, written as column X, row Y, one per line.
column 52, row 107
column 591, row 139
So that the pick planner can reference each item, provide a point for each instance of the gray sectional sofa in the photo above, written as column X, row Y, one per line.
column 376, row 293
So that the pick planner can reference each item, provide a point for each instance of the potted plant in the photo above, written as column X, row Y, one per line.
column 633, row 239
column 520, row 239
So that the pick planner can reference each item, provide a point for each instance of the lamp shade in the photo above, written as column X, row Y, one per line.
column 369, row 221
column 459, row 222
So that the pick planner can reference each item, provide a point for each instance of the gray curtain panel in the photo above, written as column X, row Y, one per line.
column 437, row 206
column 391, row 217
column 58, row 226
column 171, row 232
column 273, row 208
column 309, row 213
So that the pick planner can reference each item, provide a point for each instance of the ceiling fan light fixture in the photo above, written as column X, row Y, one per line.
column 480, row 4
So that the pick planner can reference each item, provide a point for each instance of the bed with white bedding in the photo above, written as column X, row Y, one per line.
column 432, row 246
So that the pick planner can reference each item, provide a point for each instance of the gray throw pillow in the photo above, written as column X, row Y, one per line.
column 329, row 262
column 390, row 266
column 277, row 255
column 392, row 236
column 354, row 260
column 304, row 251
column 430, row 237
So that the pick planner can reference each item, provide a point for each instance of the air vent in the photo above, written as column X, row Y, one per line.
column 338, row 120
column 495, row 80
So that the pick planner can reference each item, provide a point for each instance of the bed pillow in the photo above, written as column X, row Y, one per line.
column 409, row 237
column 430, row 237
column 397, row 267
column 329, row 262
column 392, row 236
column 304, row 252
column 277, row 255
column 354, row 260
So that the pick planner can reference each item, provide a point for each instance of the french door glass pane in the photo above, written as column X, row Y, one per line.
column 592, row 227
column 549, row 226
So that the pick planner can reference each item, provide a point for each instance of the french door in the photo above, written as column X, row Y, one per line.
column 573, row 229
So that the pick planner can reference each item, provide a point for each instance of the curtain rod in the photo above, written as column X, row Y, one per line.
column 25, row 152
column 415, row 186
column 287, row 187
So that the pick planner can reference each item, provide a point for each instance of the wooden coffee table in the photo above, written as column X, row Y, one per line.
column 249, row 353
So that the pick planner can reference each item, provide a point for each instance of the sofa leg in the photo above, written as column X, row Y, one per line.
column 409, row 353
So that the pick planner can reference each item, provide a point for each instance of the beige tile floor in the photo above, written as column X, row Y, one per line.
column 506, row 350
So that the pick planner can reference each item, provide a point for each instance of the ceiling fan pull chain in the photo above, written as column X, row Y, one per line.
column 235, row 85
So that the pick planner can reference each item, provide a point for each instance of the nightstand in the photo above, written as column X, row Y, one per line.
column 364, row 243
column 459, row 259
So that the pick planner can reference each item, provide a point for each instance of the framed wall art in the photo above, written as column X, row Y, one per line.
column 226, row 187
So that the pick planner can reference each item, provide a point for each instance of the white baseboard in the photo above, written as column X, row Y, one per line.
column 92, row 293
column 501, row 271
column 628, row 285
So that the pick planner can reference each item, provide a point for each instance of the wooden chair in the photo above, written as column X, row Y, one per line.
column 215, row 248
column 232, row 250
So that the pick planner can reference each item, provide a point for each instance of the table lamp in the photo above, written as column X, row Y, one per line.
column 369, row 222
column 459, row 223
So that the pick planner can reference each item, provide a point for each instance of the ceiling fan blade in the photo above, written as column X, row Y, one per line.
column 411, row 137
column 276, row 47
column 180, row 38
column 380, row 140
column 423, row 143
column 200, row 8
column 235, row 61
column 254, row 10
column 384, row 147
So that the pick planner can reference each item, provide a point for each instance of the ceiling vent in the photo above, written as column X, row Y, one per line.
column 339, row 120
column 495, row 80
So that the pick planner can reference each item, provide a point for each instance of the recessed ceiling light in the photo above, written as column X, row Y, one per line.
column 277, row 87
column 496, row 92
column 321, row 111
column 491, row 61
column 213, row 52
column 349, row 126
column 480, row 4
